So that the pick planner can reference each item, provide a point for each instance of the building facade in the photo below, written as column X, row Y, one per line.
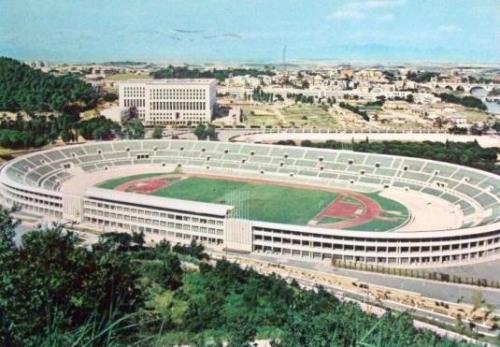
column 169, row 101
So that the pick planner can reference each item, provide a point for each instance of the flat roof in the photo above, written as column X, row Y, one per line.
column 169, row 81
column 158, row 202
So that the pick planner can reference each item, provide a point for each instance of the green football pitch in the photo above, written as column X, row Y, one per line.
column 268, row 202
column 258, row 201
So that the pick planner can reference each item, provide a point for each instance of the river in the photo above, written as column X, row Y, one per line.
column 493, row 107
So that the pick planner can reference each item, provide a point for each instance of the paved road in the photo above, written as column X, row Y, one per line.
column 442, row 291
column 484, row 141
column 488, row 270
column 262, row 136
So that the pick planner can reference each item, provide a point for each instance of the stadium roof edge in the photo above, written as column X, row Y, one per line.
column 158, row 202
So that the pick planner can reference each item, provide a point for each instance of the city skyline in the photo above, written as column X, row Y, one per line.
column 385, row 31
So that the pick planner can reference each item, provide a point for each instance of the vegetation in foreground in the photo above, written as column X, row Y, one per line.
column 119, row 293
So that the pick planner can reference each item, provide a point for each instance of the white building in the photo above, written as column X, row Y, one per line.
column 170, row 101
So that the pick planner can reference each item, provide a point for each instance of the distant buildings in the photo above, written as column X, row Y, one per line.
column 169, row 101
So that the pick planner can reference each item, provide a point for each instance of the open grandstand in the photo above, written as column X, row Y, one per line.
column 433, row 213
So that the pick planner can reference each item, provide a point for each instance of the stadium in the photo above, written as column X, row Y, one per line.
column 269, row 199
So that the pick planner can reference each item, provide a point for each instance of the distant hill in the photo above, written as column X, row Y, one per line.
column 23, row 88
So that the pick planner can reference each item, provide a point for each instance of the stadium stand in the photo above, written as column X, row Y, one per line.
column 34, row 182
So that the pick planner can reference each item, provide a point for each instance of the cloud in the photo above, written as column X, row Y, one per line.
column 359, row 9
column 449, row 29
column 347, row 14
column 233, row 35
column 229, row 35
column 185, row 31
column 377, row 3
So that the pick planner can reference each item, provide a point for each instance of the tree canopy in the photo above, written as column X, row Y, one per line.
column 421, row 76
column 98, row 128
column 355, row 109
column 219, row 74
column 31, row 90
column 38, row 131
column 157, row 133
column 467, row 101
column 134, row 129
column 204, row 132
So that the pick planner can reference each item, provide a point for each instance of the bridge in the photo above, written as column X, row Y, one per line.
column 467, row 87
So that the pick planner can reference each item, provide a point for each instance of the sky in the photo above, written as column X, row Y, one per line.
column 198, row 31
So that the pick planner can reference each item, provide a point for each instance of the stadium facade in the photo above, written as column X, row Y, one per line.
column 169, row 101
column 60, row 184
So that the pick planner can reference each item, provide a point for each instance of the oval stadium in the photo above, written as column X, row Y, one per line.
column 254, row 198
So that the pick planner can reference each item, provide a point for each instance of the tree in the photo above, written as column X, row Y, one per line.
column 467, row 101
column 67, row 135
column 7, row 234
column 211, row 133
column 199, row 131
column 355, row 109
column 220, row 74
column 54, row 285
column 134, row 129
column 421, row 76
column 98, row 128
column 31, row 90
column 110, row 97
column 194, row 250
column 157, row 133
column 204, row 132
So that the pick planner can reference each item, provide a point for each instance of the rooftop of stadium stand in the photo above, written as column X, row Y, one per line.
column 159, row 202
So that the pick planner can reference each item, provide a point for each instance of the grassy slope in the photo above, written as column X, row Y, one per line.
column 265, row 202
column 314, row 115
